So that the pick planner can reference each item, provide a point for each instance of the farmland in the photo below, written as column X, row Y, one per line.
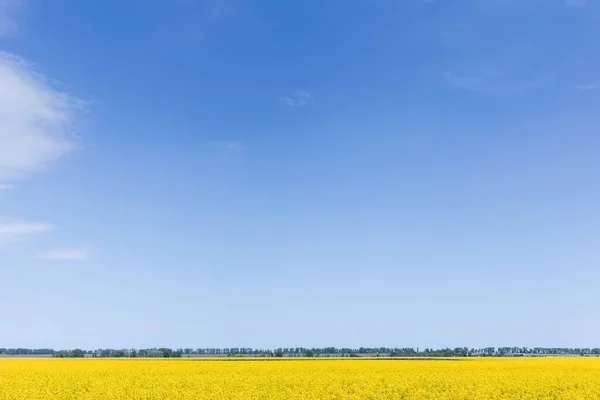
column 458, row 378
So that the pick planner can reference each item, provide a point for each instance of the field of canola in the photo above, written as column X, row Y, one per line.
column 522, row 378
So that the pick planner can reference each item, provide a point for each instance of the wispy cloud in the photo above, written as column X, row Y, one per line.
column 590, row 86
column 234, row 146
column 575, row 3
column 36, row 128
column 219, row 10
column 515, row 66
column 65, row 255
column 298, row 98
column 12, row 230
column 213, row 10
column 36, row 120
column 197, row 18
column 493, row 82
column 8, row 19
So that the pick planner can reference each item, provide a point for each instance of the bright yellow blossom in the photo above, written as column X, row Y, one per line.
column 456, row 379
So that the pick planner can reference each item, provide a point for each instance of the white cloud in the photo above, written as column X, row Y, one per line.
column 576, row 3
column 65, row 255
column 298, row 98
column 36, row 128
column 590, row 86
column 234, row 146
column 14, row 230
column 8, row 23
column 36, row 121
column 493, row 82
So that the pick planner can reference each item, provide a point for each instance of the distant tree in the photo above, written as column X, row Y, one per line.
column 119, row 353
column 154, row 353
column 105, row 353
column 167, row 353
column 77, row 353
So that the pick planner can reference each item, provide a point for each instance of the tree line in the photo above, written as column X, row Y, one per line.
column 164, row 352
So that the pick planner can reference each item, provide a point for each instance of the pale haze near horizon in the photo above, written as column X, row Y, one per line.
column 267, row 174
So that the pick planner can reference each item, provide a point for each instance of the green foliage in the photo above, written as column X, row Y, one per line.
column 77, row 353
column 164, row 352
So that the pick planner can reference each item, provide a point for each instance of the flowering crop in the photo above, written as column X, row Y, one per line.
column 464, row 378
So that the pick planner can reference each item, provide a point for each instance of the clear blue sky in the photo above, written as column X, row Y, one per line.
column 274, row 173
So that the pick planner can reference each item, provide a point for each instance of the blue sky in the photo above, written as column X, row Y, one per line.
column 192, row 173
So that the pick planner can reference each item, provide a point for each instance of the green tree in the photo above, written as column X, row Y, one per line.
column 78, row 353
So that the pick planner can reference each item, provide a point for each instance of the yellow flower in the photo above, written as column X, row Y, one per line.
column 289, row 379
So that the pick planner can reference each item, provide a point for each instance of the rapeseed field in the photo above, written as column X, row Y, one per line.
column 471, row 378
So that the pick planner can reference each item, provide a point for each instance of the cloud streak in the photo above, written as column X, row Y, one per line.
column 8, row 23
column 16, row 230
column 36, row 128
column 65, row 255
column 298, row 98
column 515, row 66
column 36, row 120
column 493, row 82
column 590, row 86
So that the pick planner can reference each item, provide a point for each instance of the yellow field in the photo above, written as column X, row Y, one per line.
column 523, row 378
